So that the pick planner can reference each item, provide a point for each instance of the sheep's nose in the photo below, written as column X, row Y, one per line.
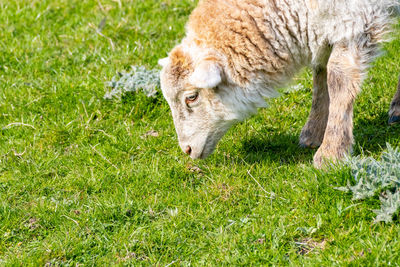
column 188, row 150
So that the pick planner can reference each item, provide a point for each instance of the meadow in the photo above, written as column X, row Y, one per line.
column 90, row 181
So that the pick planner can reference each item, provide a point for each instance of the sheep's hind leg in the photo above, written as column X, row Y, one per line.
column 344, row 82
column 394, row 112
column 313, row 132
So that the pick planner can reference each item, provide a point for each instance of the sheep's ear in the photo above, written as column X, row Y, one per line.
column 163, row 62
column 207, row 74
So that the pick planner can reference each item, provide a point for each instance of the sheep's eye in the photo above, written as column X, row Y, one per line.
column 191, row 98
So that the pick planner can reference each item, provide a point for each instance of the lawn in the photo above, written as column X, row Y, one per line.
column 85, row 180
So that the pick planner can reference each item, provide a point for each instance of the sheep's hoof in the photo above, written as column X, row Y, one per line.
column 312, row 134
column 325, row 158
column 394, row 120
column 319, row 161
column 307, row 140
column 310, row 145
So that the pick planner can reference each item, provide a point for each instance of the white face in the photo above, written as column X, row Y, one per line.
column 201, row 107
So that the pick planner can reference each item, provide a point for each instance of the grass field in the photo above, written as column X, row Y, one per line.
column 82, row 183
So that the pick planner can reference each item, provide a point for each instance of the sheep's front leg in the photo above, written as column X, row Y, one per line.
column 394, row 112
column 344, row 81
column 313, row 132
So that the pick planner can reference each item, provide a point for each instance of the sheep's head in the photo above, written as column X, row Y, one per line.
column 202, row 106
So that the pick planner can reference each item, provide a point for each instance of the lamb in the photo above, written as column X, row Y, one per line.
column 237, row 52
column 394, row 112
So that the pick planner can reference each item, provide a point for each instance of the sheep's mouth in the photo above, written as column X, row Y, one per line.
column 203, row 155
column 209, row 146
column 204, row 151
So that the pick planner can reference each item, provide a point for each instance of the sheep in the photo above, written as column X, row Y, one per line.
column 394, row 111
column 237, row 52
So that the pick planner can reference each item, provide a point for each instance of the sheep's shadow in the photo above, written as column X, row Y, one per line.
column 277, row 147
column 371, row 136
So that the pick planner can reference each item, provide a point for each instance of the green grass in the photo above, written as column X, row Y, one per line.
column 82, row 183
